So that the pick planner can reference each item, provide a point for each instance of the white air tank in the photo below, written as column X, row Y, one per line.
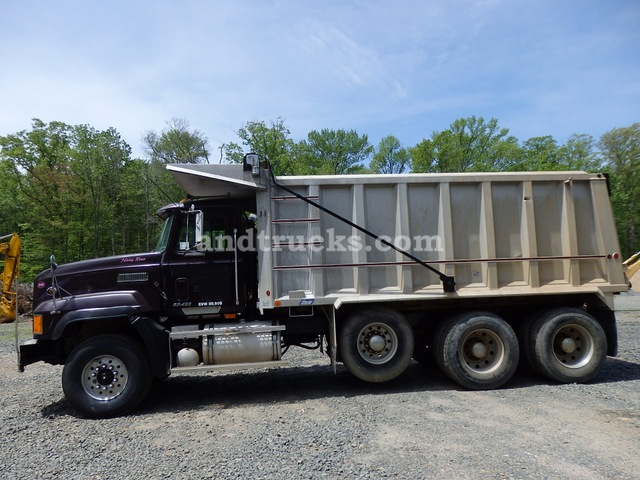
column 188, row 357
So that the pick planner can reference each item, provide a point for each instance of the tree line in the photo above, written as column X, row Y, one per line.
column 77, row 192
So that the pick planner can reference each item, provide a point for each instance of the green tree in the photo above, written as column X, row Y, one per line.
column 423, row 156
column 146, row 187
column 177, row 144
column 469, row 144
column 621, row 151
column 541, row 153
column 390, row 157
column 97, row 160
column 334, row 152
column 38, row 162
column 11, row 204
column 68, row 184
column 580, row 153
column 270, row 141
column 544, row 153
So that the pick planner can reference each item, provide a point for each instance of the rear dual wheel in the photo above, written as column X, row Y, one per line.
column 566, row 345
column 478, row 350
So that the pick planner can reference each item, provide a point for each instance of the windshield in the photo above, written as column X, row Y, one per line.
column 164, row 235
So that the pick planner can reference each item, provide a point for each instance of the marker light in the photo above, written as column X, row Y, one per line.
column 37, row 324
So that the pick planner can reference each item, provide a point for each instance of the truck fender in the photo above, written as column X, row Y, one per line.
column 607, row 319
column 91, row 314
column 152, row 335
column 156, row 341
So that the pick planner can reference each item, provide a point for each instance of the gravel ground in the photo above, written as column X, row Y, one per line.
column 303, row 422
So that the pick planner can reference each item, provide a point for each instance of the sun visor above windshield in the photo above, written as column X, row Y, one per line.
column 215, row 180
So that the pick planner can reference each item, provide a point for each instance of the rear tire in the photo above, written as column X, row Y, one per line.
column 376, row 345
column 478, row 350
column 567, row 345
column 106, row 376
column 527, row 362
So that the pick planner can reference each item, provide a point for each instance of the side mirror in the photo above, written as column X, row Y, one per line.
column 252, row 162
column 192, row 235
column 198, row 227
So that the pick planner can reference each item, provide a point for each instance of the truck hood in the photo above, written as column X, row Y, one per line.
column 98, row 275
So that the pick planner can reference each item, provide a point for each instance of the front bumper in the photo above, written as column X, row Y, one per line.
column 33, row 351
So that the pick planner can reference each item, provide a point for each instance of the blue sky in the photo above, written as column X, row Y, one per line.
column 403, row 68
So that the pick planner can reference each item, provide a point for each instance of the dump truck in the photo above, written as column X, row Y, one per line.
column 470, row 273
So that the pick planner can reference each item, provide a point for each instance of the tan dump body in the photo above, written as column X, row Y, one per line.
column 497, row 234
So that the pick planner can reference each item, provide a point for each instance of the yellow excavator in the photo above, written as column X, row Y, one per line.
column 11, row 252
column 632, row 265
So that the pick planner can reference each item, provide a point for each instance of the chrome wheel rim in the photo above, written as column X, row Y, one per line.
column 377, row 343
column 482, row 351
column 573, row 346
column 104, row 377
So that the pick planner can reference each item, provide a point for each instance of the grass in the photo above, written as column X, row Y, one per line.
column 8, row 331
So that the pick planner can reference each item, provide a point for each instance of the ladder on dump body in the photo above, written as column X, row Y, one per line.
column 296, row 243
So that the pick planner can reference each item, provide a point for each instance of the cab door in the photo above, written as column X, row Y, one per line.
column 203, row 274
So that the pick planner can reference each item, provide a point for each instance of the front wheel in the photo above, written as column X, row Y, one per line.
column 567, row 345
column 478, row 350
column 106, row 376
column 376, row 345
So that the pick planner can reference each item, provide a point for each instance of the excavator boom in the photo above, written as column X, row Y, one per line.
column 11, row 252
column 632, row 265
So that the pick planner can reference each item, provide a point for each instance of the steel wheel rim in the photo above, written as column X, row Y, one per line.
column 482, row 352
column 104, row 377
column 377, row 343
column 573, row 346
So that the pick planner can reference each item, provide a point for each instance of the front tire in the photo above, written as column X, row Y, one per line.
column 567, row 345
column 478, row 350
column 106, row 376
column 376, row 345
